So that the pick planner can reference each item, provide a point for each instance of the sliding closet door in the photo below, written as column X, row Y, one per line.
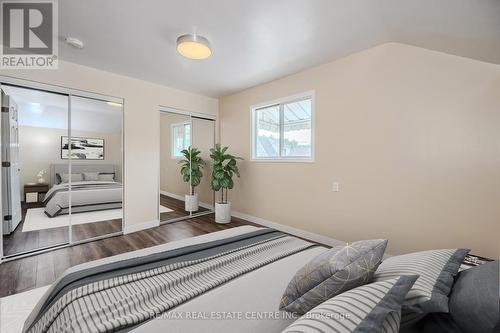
column 175, row 139
column 96, row 162
column 204, row 140
column 35, row 189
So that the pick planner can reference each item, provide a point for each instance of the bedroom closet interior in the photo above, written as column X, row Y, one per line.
column 62, row 163
column 185, row 194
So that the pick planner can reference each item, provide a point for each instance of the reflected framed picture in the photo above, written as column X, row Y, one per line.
column 82, row 148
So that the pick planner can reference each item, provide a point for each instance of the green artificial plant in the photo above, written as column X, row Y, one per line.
column 191, row 167
column 224, row 167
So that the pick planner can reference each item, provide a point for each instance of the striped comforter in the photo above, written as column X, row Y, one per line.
column 91, row 303
column 85, row 196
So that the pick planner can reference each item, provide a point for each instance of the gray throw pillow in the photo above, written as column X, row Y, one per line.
column 372, row 308
column 430, row 292
column 331, row 273
column 474, row 298
column 75, row 177
column 91, row 176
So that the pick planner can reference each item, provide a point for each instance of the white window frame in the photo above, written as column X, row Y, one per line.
column 172, row 126
column 289, row 99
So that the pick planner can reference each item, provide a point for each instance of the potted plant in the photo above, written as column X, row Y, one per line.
column 224, row 167
column 191, row 173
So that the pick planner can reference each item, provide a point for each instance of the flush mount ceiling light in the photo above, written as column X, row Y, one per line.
column 193, row 46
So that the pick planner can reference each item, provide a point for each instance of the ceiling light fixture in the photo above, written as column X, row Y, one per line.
column 114, row 104
column 75, row 42
column 193, row 46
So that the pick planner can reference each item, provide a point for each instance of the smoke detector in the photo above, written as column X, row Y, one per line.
column 75, row 42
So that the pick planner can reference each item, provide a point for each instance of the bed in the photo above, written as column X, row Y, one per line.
column 202, row 291
column 86, row 195
column 269, row 281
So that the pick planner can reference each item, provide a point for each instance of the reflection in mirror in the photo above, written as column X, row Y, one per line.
column 96, row 164
column 204, row 140
column 33, row 123
column 175, row 136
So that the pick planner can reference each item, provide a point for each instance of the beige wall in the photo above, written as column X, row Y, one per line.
column 39, row 147
column 141, row 130
column 412, row 136
column 203, row 139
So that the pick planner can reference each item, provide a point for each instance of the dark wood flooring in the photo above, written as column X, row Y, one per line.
column 39, row 270
column 20, row 241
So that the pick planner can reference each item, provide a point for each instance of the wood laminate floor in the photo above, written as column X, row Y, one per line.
column 39, row 270
column 177, row 206
column 20, row 241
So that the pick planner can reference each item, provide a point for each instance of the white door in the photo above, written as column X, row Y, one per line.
column 14, row 165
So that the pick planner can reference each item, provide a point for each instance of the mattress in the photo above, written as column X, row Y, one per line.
column 247, row 303
column 86, row 196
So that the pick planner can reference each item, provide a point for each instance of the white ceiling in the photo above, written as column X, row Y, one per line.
column 42, row 109
column 260, row 40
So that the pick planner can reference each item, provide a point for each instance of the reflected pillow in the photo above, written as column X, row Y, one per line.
column 91, row 176
column 64, row 177
column 108, row 177
column 372, row 308
column 331, row 273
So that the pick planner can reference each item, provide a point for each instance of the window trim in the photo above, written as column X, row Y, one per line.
column 289, row 99
column 184, row 123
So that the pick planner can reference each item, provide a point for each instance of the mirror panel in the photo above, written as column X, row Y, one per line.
column 204, row 140
column 96, row 163
column 32, row 199
column 175, row 135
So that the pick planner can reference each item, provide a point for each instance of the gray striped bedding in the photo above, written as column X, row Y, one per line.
column 124, row 301
column 436, row 269
column 374, row 307
column 85, row 196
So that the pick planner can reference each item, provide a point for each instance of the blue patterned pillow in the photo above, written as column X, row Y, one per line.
column 372, row 308
column 331, row 273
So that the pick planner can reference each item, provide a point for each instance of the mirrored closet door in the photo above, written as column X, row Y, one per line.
column 185, row 166
column 62, row 162
column 203, row 141
column 96, row 165
column 33, row 122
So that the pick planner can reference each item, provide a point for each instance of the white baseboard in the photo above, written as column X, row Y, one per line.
column 290, row 230
column 140, row 226
column 270, row 224
column 180, row 197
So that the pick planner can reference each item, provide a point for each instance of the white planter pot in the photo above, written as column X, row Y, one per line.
column 222, row 212
column 191, row 203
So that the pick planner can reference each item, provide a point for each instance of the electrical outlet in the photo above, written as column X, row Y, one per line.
column 336, row 187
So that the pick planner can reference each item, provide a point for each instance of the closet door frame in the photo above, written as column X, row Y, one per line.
column 167, row 109
column 22, row 83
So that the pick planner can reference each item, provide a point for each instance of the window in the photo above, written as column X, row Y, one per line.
column 283, row 130
column 181, row 138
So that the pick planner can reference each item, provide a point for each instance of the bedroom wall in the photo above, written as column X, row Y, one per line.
column 39, row 147
column 412, row 136
column 141, row 130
